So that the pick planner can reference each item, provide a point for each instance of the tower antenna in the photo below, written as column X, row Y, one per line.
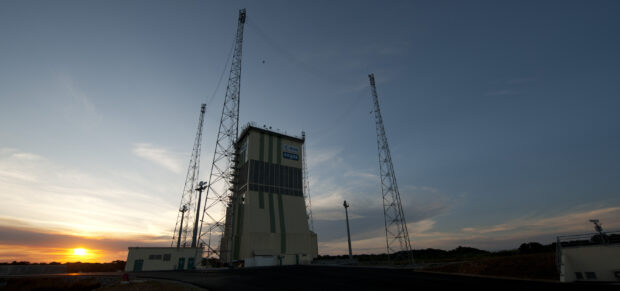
column 396, row 234
column 218, row 192
column 188, row 200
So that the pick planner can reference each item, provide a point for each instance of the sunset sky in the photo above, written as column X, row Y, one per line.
column 502, row 116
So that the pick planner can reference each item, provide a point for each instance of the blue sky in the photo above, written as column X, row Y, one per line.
column 501, row 116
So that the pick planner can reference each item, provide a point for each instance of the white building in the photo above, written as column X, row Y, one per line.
column 162, row 259
column 587, row 257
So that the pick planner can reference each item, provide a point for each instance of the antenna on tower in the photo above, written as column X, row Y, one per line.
column 218, row 194
column 188, row 201
column 396, row 234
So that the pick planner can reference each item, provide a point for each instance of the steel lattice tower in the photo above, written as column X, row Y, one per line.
column 188, row 200
column 306, row 184
column 396, row 234
column 220, row 179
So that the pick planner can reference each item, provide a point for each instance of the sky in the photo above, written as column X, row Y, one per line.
column 501, row 116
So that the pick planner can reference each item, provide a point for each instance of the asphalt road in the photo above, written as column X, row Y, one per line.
column 337, row 278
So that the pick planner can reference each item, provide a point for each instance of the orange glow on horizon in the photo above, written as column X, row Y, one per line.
column 82, row 254
column 10, row 253
column 79, row 252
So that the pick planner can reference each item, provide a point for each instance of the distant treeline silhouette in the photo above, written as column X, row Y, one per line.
column 465, row 253
column 77, row 267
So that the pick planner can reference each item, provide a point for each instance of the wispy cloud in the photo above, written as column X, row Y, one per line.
column 565, row 223
column 27, row 156
column 158, row 155
column 507, row 235
column 78, row 106
column 75, row 202
column 335, row 180
column 511, row 234
column 21, row 242
column 423, row 206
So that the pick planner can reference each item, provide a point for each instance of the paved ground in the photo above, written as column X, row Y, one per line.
column 335, row 278
column 312, row 277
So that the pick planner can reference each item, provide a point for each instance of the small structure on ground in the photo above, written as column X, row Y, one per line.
column 162, row 259
column 589, row 257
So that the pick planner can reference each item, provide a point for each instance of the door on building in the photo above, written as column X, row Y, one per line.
column 181, row 264
column 297, row 259
column 137, row 265
column 190, row 264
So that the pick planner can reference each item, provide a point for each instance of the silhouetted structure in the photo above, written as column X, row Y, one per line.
column 218, row 192
column 396, row 233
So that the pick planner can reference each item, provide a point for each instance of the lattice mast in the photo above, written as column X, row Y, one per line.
column 396, row 234
column 189, row 208
column 218, row 189
column 306, row 183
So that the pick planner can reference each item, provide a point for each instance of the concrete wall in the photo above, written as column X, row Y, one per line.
column 601, row 260
column 161, row 259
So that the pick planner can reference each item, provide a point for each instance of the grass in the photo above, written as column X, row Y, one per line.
column 532, row 266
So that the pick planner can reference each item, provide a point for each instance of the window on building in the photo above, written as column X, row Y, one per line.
column 167, row 257
column 154, row 257
column 579, row 275
column 591, row 275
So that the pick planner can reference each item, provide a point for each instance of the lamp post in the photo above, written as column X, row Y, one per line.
column 346, row 205
column 201, row 187
column 182, row 210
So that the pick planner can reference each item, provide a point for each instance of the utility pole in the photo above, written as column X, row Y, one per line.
column 201, row 187
column 396, row 234
column 182, row 210
column 346, row 205
column 218, row 194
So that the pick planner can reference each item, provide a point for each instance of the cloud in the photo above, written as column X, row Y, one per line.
column 74, row 202
column 338, row 181
column 510, row 234
column 423, row 205
column 158, row 156
column 321, row 157
column 565, row 223
column 507, row 235
column 27, row 156
column 22, row 242
column 78, row 106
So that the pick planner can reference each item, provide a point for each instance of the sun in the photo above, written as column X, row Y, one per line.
column 79, row 252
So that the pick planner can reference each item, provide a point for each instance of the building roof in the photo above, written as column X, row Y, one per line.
column 266, row 130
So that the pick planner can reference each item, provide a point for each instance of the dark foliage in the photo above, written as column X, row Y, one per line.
column 534, row 248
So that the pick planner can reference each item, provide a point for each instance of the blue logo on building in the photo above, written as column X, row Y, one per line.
column 290, row 156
